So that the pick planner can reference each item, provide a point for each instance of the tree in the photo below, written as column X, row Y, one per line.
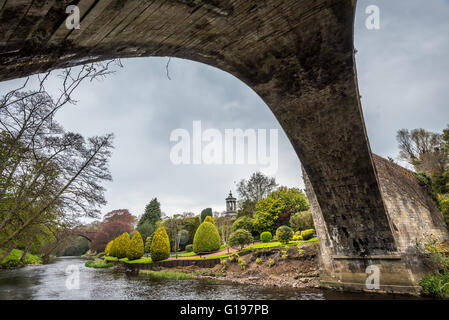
column 244, row 223
column 246, row 208
column 425, row 150
column 152, row 213
column 255, row 188
column 206, row 238
column 47, row 173
column 160, row 245
column 224, row 227
column 302, row 221
column 206, row 212
column 240, row 237
column 135, row 249
column 275, row 210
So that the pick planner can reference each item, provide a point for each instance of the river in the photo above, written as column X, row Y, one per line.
column 50, row 282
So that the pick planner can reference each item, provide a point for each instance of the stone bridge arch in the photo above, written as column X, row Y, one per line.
column 297, row 55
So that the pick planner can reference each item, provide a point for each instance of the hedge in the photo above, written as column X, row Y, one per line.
column 206, row 238
column 160, row 246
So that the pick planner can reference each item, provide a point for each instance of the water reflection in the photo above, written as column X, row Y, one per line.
column 49, row 282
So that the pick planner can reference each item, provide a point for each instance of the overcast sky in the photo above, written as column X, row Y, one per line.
column 403, row 72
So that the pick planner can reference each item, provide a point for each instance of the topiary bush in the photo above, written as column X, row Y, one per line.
column 206, row 238
column 209, row 219
column 107, row 251
column 160, row 246
column 135, row 248
column 307, row 234
column 189, row 248
column 266, row 237
column 284, row 234
column 120, row 245
column 240, row 237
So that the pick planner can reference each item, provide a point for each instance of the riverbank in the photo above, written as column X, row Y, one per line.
column 269, row 267
column 14, row 259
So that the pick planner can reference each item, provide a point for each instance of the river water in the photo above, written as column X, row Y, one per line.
column 58, row 281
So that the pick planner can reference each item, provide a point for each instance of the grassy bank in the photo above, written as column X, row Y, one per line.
column 97, row 263
column 13, row 259
column 167, row 275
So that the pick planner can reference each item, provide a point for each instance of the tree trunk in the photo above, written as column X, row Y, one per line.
column 24, row 254
column 7, row 252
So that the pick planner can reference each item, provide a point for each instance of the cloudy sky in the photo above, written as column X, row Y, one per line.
column 403, row 75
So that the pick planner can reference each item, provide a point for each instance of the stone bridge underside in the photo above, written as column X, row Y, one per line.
column 298, row 55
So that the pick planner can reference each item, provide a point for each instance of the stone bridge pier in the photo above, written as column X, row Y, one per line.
column 298, row 56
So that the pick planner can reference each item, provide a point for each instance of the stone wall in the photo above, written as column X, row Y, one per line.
column 413, row 216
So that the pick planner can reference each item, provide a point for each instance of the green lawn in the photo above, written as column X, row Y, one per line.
column 12, row 260
column 185, row 255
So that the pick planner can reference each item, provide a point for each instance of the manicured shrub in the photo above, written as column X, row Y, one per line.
column 209, row 219
column 307, row 234
column 107, row 251
column 206, row 238
column 240, row 237
column 135, row 248
column 160, row 246
column 189, row 248
column 297, row 236
column 284, row 234
column 120, row 245
column 266, row 237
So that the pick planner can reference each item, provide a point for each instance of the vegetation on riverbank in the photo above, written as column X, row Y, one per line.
column 167, row 275
column 98, row 264
column 14, row 259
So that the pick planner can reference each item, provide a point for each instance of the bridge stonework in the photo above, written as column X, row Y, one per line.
column 297, row 55
column 414, row 218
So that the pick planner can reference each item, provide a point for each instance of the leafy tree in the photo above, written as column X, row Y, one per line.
column 206, row 238
column 183, row 238
column 275, row 210
column 244, row 223
column 146, row 229
column 301, row 221
column 160, row 246
column 246, row 208
column 191, row 224
column 135, row 248
column 425, row 150
column 45, row 170
column 224, row 227
column 240, row 237
column 206, row 212
column 255, row 188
